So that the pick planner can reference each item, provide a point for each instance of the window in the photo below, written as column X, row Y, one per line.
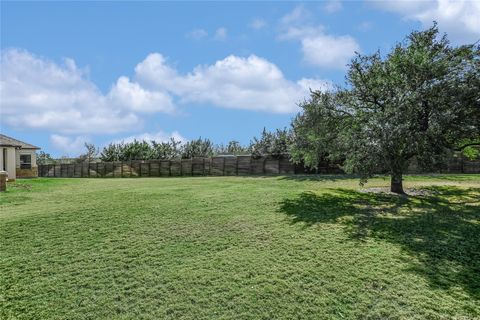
column 25, row 161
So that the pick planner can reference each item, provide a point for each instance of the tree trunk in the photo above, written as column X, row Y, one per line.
column 396, row 185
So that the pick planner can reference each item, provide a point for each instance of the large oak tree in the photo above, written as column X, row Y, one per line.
column 421, row 100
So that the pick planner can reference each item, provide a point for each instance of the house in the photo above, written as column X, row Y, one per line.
column 18, row 158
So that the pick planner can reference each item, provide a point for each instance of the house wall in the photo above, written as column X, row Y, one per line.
column 26, row 173
column 9, row 161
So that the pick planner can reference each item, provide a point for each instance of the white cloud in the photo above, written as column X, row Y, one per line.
column 132, row 95
column 258, row 23
column 329, row 51
column 251, row 83
column 159, row 136
column 333, row 6
column 220, row 34
column 197, row 34
column 67, row 145
column 459, row 18
column 318, row 47
column 299, row 15
column 38, row 93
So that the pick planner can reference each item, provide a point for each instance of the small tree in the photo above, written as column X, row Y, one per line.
column 44, row 158
column 421, row 100
column 111, row 152
column 233, row 148
column 271, row 143
column 167, row 150
column 90, row 154
column 202, row 148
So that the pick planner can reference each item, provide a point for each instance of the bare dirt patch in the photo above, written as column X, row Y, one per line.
column 20, row 186
column 408, row 191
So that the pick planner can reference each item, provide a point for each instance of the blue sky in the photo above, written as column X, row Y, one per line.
column 110, row 71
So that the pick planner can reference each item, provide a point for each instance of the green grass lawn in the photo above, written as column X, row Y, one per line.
column 239, row 248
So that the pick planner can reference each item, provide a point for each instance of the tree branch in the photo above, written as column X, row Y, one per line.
column 467, row 145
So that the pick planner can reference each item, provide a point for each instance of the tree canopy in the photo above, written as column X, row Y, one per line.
column 421, row 100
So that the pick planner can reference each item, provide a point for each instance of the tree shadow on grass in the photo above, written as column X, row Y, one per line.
column 441, row 230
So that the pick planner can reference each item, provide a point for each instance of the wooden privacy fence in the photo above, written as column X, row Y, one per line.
column 454, row 164
column 216, row 166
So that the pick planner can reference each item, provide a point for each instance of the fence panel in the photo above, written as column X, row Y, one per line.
column 144, row 169
column 56, row 170
column 117, row 169
column 71, row 170
column 257, row 166
column 208, row 166
column 198, row 166
column 186, row 167
column 165, row 168
column 101, row 170
column 471, row 167
column 217, row 166
column 51, row 170
column 154, row 168
column 175, row 168
column 230, row 167
column 272, row 166
column 243, row 165
column 286, row 166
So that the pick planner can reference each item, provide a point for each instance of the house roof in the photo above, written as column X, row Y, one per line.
column 6, row 141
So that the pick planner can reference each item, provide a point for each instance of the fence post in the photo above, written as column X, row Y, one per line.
column 169, row 167
column 264, row 163
column 278, row 167
column 204, row 166
column 236, row 165
column 149, row 169
column 223, row 166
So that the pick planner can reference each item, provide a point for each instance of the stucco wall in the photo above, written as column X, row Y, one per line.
column 10, row 161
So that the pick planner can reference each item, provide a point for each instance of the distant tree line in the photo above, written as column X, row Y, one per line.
column 275, row 144
column 268, row 144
